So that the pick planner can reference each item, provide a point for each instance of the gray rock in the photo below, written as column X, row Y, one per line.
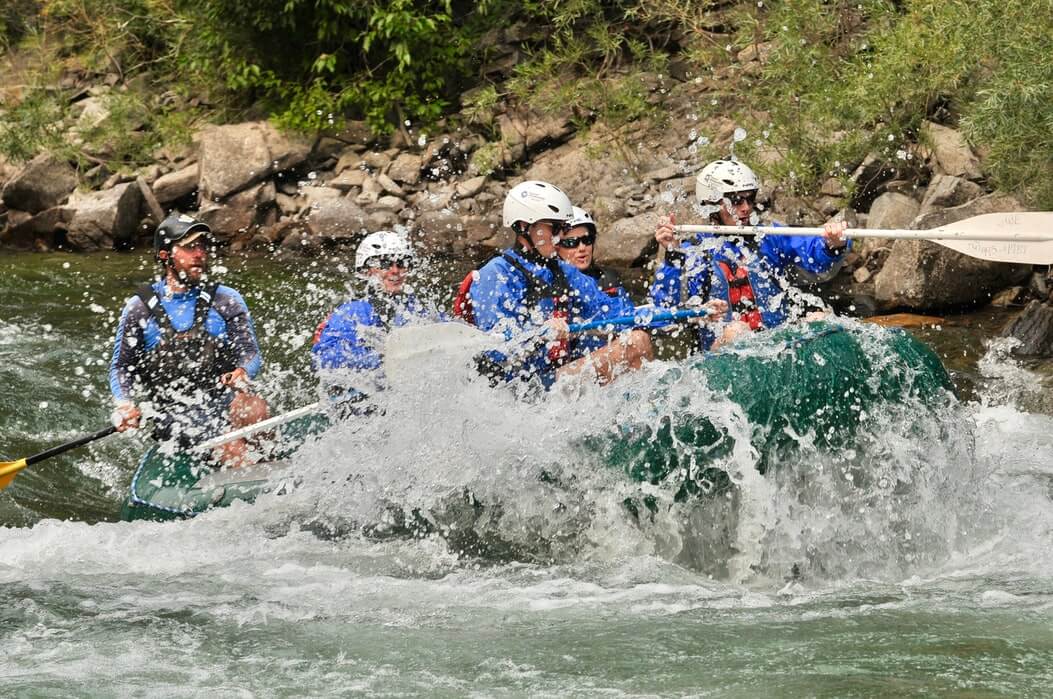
column 833, row 187
column 238, row 217
column 337, row 221
column 951, row 152
column 101, row 218
column 661, row 174
column 289, row 205
column 387, row 202
column 349, row 159
column 313, row 195
column 43, row 183
column 389, row 185
column 176, row 185
column 381, row 220
column 237, row 156
column 441, row 230
column 621, row 242
column 996, row 202
column 376, row 161
column 524, row 129
column 405, row 168
column 946, row 191
column 1034, row 328
column 892, row 210
column 471, row 187
column 36, row 231
column 348, row 179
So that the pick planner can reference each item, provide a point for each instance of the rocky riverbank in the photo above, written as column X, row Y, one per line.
column 270, row 192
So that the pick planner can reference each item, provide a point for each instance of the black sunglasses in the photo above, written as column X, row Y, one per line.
column 571, row 243
column 385, row 261
column 737, row 198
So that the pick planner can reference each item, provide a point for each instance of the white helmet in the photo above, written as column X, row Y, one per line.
column 581, row 217
column 722, row 177
column 532, row 201
column 381, row 244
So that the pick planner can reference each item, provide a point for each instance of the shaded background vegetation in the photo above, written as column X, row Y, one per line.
column 836, row 80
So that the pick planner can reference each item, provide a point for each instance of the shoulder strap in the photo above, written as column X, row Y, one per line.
column 206, row 296
column 152, row 302
column 538, row 288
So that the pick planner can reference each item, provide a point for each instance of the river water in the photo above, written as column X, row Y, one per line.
column 942, row 588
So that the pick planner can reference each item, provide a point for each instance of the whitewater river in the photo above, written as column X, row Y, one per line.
column 940, row 586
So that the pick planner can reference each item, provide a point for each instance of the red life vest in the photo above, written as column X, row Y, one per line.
column 462, row 302
column 320, row 329
column 740, row 296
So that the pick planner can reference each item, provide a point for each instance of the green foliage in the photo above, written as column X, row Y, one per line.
column 32, row 126
column 847, row 78
column 838, row 78
column 312, row 62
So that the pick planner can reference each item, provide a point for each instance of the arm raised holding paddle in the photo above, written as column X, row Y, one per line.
column 747, row 275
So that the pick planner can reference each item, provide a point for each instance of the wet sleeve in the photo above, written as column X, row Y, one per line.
column 241, row 334
column 665, row 290
column 127, row 344
column 810, row 253
column 497, row 300
column 342, row 345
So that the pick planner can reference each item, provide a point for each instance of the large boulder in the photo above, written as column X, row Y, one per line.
column 176, row 185
column 952, row 154
column 923, row 275
column 100, row 219
column 240, row 216
column 892, row 210
column 1034, row 328
column 43, row 183
column 945, row 191
column 405, row 169
column 523, row 130
column 236, row 156
column 36, row 232
column 336, row 221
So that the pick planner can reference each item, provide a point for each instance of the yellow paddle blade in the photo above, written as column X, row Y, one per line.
column 8, row 471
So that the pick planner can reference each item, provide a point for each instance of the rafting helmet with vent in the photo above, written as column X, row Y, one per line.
column 382, row 244
column 532, row 201
column 581, row 217
column 178, row 229
column 720, row 178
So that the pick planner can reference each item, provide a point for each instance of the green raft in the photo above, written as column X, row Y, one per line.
column 183, row 485
column 820, row 380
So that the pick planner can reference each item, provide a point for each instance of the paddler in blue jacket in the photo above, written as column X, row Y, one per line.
column 351, row 337
column 528, row 288
column 747, row 273
column 186, row 348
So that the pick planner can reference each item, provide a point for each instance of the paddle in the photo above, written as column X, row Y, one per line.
column 1021, row 237
column 259, row 426
column 411, row 347
column 10, row 469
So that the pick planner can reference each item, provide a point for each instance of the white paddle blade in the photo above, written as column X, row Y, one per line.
column 413, row 351
column 1024, row 237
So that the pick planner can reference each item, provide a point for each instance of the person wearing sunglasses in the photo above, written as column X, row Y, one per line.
column 748, row 273
column 347, row 344
column 578, row 247
column 528, row 286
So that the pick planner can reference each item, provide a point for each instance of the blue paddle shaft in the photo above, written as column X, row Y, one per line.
column 638, row 319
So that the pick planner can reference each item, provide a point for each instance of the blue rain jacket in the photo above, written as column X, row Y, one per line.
column 352, row 337
column 499, row 300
